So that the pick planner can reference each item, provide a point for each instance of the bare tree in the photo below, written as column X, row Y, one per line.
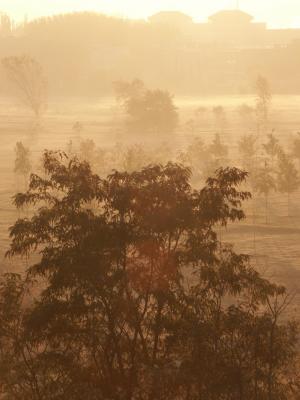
column 28, row 77
column 263, row 101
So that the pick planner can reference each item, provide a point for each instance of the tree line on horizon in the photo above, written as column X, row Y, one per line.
column 94, row 50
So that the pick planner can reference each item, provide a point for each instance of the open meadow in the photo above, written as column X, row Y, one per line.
column 274, row 245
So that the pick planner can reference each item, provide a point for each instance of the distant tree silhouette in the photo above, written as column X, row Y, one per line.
column 28, row 77
column 220, row 118
column 218, row 148
column 248, row 148
column 127, row 90
column 88, row 150
column 296, row 149
column 77, row 128
column 272, row 147
column 138, row 298
column 134, row 158
column 246, row 114
column 201, row 111
column 150, row 111
column 198, row 157
column 288, row 180
column 217, row 156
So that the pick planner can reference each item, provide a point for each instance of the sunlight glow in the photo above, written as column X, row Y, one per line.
column 278, row 13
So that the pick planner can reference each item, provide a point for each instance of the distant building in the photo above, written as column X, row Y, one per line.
column 227, row 27
column 233, row 27
column 174, row 18
column 5, row 25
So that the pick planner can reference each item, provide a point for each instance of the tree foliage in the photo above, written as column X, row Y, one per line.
column 288, row 180
column 264, row 183
column 272, row 147
column 248, row 149
column 138, row 297
column 22, row 160
column 151, row 111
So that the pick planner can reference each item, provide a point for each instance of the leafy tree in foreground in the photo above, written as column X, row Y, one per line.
column 138, row 298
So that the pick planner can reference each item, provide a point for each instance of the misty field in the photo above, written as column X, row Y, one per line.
column 274, row 246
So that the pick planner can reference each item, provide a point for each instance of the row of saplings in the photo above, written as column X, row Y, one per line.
column 271, row 167
column 133, row 296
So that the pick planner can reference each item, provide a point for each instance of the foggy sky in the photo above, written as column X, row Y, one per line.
column 277, row 13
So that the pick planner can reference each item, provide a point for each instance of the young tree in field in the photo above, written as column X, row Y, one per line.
column 197, row 157
column 22, row 161
column 77, row 128
column 264, row 183
column 134, row 158
column 201, row 112
column 190, row 126
column 88, row 150
column 70, row 148
column 288, row 180
column 151, row 111
column 95, row 156
column 248, row 149
column 217, row 148
column 263, row 102
column 246, row 114
column 218, row 156
column 248, row 154
column 139, row 298
column 28, row 77
column 272, row 148
column 220, row 119
column 296, row 149
column 200, row 117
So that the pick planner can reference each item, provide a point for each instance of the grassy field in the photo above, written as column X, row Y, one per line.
column 275, row 247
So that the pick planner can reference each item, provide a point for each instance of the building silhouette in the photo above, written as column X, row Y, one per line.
column 227, row 27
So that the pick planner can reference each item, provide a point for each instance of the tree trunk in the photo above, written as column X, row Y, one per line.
column 266, row 205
